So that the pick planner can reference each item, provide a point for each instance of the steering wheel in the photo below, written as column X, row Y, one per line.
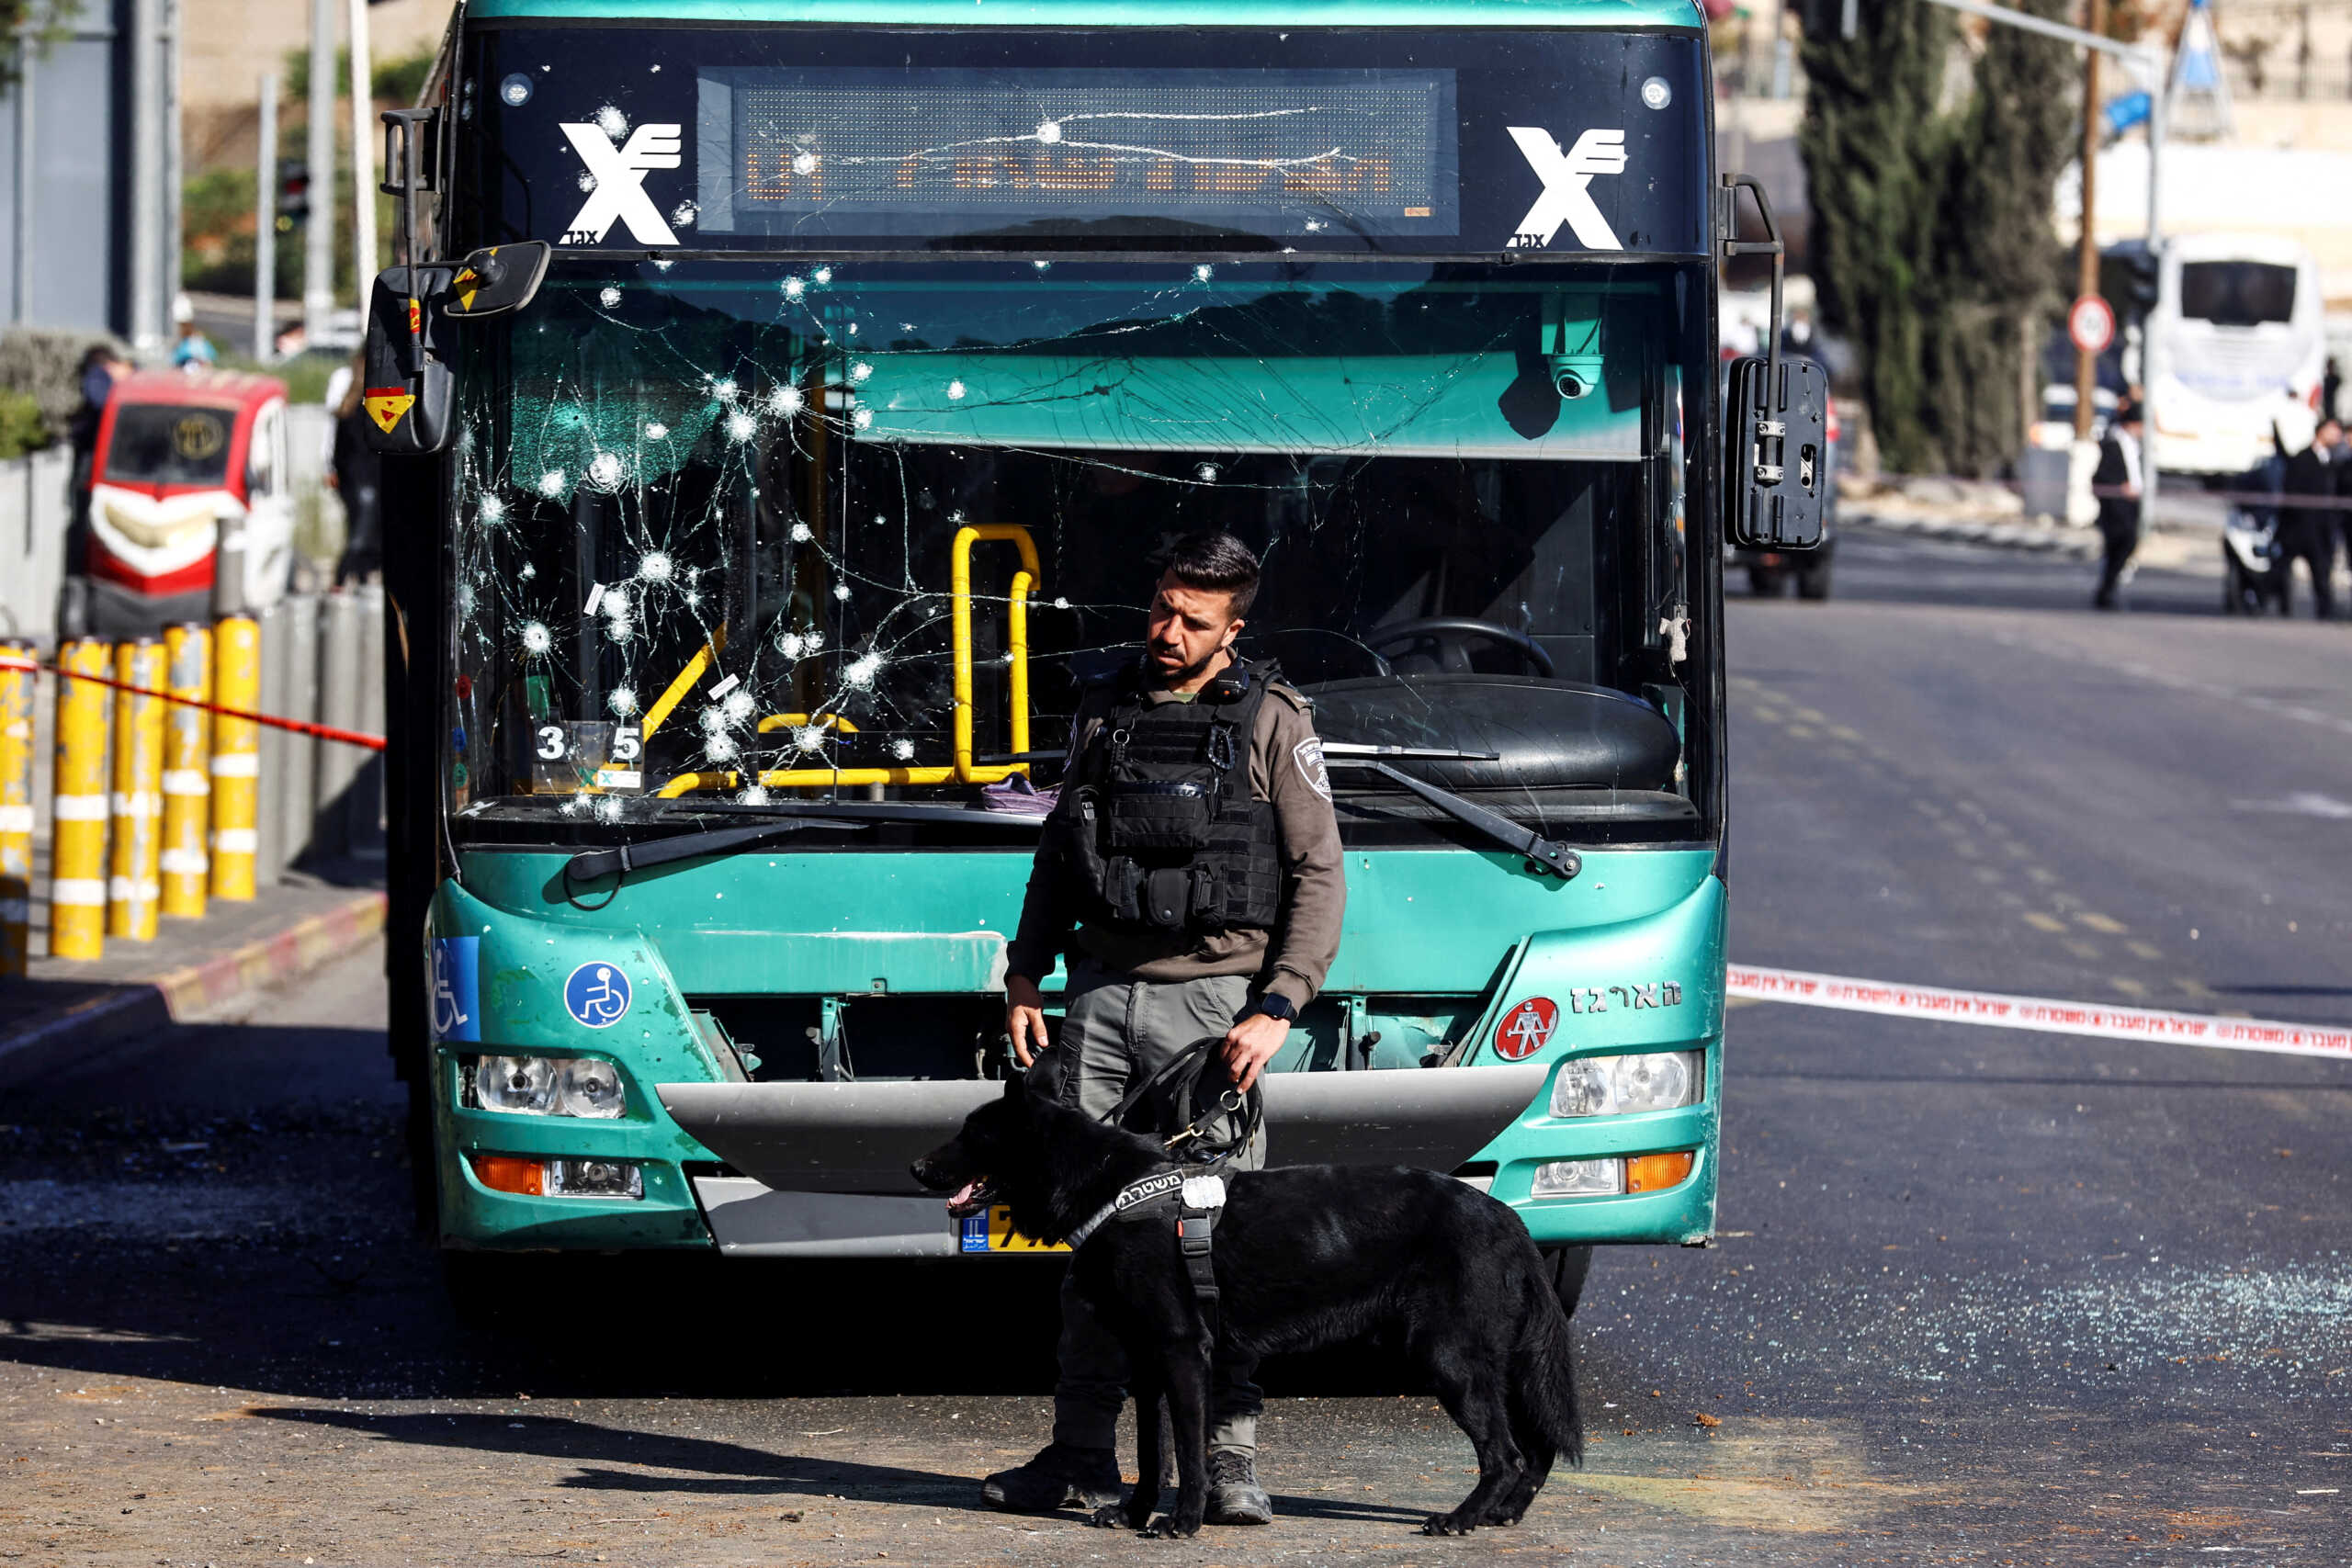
column 1452, row 634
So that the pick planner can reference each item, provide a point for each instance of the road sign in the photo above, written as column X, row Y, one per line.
column 2091, row 324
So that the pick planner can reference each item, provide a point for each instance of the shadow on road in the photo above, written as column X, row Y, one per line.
column 721, row 1469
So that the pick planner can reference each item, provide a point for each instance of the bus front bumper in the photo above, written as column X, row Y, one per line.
column 821, row 1169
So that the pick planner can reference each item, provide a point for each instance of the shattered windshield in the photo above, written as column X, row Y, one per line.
column 744, row 531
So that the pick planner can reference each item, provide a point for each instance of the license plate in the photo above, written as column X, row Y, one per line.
column 993, row 1232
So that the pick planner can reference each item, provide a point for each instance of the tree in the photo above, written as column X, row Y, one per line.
column 1874, row 148
column 1933, row 247
column 40, row 22
column 2004, row 263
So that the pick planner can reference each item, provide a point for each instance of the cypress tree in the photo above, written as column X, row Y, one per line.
column 1932, row 242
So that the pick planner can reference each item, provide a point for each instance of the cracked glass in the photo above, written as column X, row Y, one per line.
column 866, row 526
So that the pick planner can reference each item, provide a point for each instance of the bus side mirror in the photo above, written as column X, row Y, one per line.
column 496, row 279
column 410, row 390
column 1776, row 439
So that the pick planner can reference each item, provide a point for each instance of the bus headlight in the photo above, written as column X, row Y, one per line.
column 1577, row 1179
column 546, row 1086
column 1610, row 1178
column 588, row 1087
column 1616, row 1086
column 529, row 1177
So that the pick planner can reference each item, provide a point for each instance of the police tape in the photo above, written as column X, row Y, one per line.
column 2052, row 1017
column 295, row 725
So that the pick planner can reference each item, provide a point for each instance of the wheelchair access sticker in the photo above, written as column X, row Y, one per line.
column 596, row 994
column 456, row 988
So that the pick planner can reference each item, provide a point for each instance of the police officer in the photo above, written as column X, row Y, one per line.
column 1195, row 853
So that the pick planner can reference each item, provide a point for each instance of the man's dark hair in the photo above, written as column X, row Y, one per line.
column 1215, row 561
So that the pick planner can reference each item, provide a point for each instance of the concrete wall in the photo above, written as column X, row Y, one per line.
column 230, row 42
column 34, row 509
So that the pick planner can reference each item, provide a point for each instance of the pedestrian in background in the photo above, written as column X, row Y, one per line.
column 193, row 350
column 358, row 476
column 2315, row 484
column 102, row 365
column 2116, row 481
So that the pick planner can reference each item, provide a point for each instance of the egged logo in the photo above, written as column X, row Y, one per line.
column 618, row 174
column 1567, row 176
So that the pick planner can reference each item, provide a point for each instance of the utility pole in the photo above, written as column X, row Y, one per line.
column 318, row 250
column 2150, row 342
column 363, row 155
column 148, row 305
column 167, row 49
column 21, row 204
column 266, row 225
column 2086, row 262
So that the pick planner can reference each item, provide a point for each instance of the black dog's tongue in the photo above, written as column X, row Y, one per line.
column 966, row 1200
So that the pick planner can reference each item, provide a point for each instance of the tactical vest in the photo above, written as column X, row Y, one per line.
column 1162, row 833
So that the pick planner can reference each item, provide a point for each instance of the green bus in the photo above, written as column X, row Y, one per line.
column 784, row 404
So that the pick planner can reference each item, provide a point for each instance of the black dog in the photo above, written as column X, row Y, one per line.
column 1304, row 1257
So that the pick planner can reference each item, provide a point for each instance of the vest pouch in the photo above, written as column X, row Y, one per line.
column 1166, row 896
column 1151, row 814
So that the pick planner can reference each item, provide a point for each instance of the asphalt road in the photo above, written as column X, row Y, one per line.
column 1981, row 1296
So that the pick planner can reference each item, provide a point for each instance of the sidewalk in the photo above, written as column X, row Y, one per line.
column 65, row 1011
column 2187, row 536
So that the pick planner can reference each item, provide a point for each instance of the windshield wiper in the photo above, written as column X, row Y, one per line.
column 773, row 819
column 1542, row 855
column 856, row 812
column 1352, row 749
column 589, row 864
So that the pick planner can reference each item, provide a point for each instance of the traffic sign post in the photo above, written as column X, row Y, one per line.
column 2090, row 322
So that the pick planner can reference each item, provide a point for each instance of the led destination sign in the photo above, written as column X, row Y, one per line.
column 927, row 151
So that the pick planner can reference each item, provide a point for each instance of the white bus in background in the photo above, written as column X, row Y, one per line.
column 2240, row 346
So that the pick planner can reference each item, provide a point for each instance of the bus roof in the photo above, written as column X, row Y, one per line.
column 1616, row 15
column 215, row 389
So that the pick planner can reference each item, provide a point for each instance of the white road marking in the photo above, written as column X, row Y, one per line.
column 2302, row 803
column 2043, row 649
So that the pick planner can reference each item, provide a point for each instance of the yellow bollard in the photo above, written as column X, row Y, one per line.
column 187, row 784
column 77, row 807
column 236, row 755
column 137, row 790
column 18, row 676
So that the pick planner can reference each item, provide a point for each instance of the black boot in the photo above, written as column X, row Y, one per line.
column 1061, row 1476
column 1235, row 1497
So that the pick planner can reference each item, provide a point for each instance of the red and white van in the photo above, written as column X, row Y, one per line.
column 185, row 463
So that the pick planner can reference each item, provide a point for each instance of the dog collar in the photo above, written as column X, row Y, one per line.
column 1194, row 1191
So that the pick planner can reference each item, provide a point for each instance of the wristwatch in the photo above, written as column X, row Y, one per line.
column 1273, row 1004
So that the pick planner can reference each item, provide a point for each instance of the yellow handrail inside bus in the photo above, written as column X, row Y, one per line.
column 1016, row 642
column 794, row 720
column 964, row 770
column 693, row 672
column 809, row 778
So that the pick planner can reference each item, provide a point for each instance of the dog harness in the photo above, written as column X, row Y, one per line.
column 1196, row 1199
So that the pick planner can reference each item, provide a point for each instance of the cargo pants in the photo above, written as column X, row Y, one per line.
column 1118, row 1030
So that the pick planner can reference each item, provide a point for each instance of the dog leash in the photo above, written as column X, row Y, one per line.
column 1246, row 1111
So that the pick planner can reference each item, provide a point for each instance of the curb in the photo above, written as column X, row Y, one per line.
column 2082, row 544
column 182, row 995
